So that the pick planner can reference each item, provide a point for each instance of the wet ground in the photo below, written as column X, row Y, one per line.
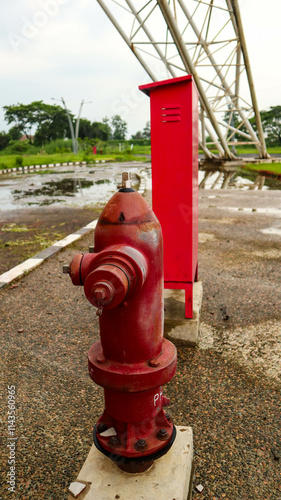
column 37, row 209
column 243, row 233
column 227, row 389
column 80, row 186
column 243, row 179
column 65, row 186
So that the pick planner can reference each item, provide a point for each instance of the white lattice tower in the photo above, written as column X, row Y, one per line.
column 205, row 39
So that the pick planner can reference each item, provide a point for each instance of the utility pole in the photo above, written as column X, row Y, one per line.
column 70, row 126
column 78, row 121
column 73, row 137
column 69, row 122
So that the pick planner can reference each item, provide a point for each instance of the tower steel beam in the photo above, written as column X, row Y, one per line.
column 126, row 39
column 190, row 68
column 206, row 39
column 242, row 39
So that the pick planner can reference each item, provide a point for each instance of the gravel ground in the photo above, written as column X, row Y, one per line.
column 227, row 389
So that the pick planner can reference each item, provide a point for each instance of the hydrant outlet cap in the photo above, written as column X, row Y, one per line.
column 107, row 285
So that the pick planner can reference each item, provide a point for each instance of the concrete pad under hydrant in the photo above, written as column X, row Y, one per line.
column 177, row 327
column 169, row 478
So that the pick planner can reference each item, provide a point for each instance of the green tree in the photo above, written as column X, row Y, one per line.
column 271, row 122
column 14, row 133
column 52, row 124
column 101, row 131
column 106, row 122
column 146, row 131
column 85, row 129
column 119, row 127
column 138, row 135
column 23, row 115
column 50, row 120
column 4, row 140
column 95, row 130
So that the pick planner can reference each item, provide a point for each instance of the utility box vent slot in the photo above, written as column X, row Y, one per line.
column 171, row 114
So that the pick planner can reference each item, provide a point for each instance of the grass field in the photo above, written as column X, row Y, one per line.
column 274, row 168
column 9, row 161
column 250, row 150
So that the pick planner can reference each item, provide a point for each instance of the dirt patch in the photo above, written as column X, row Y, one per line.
column 256, row 347
column 204, row 237
column 24, row 233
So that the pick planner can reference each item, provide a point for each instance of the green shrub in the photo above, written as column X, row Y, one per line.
column 58, row 145
column 18, row 161
column 17, row 147
column 20, row 147
column 85, row 157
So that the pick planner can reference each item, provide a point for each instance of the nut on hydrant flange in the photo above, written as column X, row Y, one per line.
column 123, row 278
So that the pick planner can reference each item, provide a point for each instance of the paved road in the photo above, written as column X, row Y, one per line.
column 227, row 389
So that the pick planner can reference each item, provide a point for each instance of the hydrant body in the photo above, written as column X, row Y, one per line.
column 132, row 361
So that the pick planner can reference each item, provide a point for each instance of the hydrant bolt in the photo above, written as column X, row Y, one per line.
column 114, row 441
column 101, row 427
column 168, row 416
column 162, row 435
column 141, row 445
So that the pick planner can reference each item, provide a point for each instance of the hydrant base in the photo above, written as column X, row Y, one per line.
column 135, row 464
column 169, row 476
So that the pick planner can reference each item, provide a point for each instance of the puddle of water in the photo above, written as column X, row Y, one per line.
column 244, row 181
column 63, row 187
column 247, row 210
column 272, row 230
column 82, row 187
column 55, row 191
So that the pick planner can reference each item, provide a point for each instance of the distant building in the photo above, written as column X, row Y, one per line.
column 25, row 138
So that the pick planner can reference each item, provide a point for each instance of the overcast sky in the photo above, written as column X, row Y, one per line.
column 78, row 54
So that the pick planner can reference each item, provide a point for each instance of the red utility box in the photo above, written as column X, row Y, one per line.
column 174, row 157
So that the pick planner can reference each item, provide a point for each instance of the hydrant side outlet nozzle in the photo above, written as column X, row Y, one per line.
column 132, row 361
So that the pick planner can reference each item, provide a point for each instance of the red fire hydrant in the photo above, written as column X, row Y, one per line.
column 123, row 278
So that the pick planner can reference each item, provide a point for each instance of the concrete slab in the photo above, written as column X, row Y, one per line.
column 47, row 253
column 168, row 479
column 176, row 327
column 19, row 270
